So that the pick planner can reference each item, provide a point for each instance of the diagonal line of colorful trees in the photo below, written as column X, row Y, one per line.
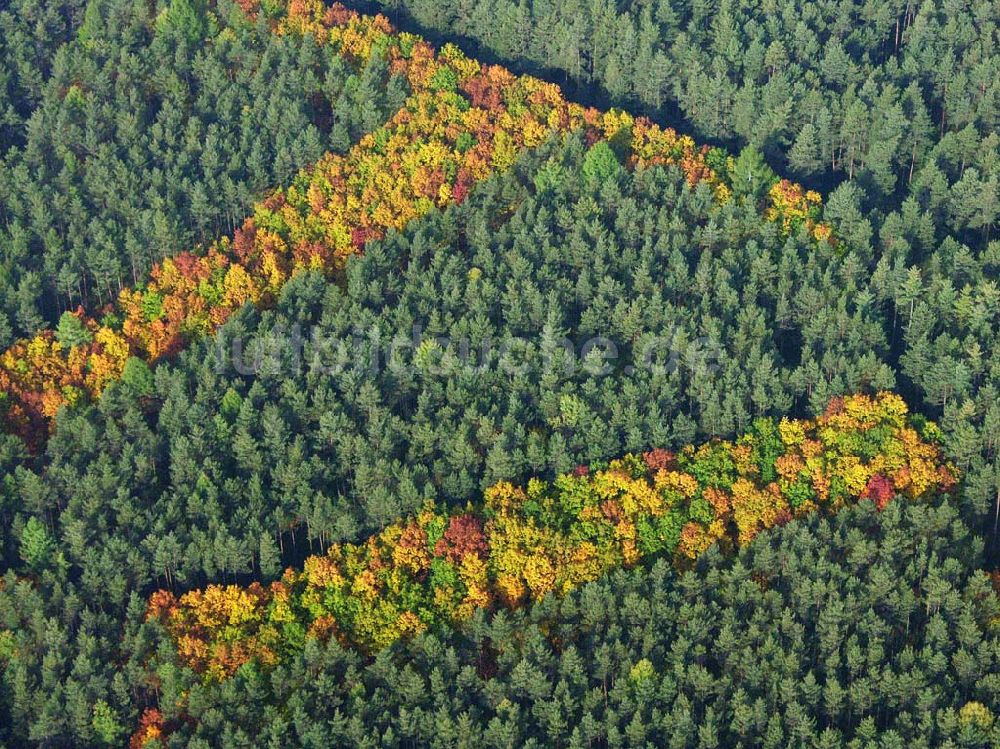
column 462, row 123
column 520, row 544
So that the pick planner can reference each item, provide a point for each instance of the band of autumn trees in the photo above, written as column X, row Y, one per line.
column 462, row 123
column 520, row 544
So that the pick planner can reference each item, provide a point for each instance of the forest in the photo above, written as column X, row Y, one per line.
column 502, row 374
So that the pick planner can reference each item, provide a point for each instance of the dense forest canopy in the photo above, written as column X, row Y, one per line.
column 131, row 132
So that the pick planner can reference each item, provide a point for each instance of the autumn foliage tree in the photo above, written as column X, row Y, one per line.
column 523, row 543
